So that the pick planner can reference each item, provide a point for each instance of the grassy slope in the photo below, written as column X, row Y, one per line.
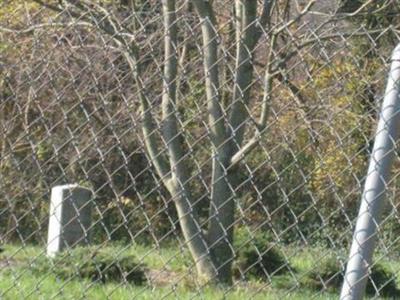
column 17, row 281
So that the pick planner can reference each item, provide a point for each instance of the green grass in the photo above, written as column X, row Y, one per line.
column 27, row 285
column 19, row 280
column 177, row 259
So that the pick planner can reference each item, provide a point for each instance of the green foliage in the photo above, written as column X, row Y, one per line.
column 329, row 276
column 43, row 151
column 272, row 180
column 256, row 256
column 97, row 264
column 382, row 280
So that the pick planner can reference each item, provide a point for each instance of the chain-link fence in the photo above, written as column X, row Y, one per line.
column 200, row 149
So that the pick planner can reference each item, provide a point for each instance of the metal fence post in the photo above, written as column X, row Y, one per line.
column 364, row 238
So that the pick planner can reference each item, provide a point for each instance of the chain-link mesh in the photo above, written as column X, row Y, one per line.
column 225, row 145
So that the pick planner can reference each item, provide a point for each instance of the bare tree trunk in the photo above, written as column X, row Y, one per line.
column 246, row 13
column 222, row 204
column 221, row 220
column 178, row 184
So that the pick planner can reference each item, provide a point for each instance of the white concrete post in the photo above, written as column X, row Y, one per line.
column 387, row 133
column 70, row 217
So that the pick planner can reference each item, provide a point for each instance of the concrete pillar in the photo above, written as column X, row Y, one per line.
column 70, row 217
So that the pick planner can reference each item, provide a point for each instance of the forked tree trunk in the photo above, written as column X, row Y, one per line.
column 221, row 218
column 178, row 181
column 213, row 254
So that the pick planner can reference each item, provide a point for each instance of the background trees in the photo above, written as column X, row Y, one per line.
column 256, row 114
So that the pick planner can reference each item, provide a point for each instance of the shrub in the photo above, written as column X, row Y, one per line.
column 100, row 265
column 382, row 280
column 256, row 256
column 329, row 275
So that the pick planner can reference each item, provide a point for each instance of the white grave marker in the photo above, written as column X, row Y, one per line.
column 70, row 217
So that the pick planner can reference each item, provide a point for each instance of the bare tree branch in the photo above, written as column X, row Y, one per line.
column 35, row 27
